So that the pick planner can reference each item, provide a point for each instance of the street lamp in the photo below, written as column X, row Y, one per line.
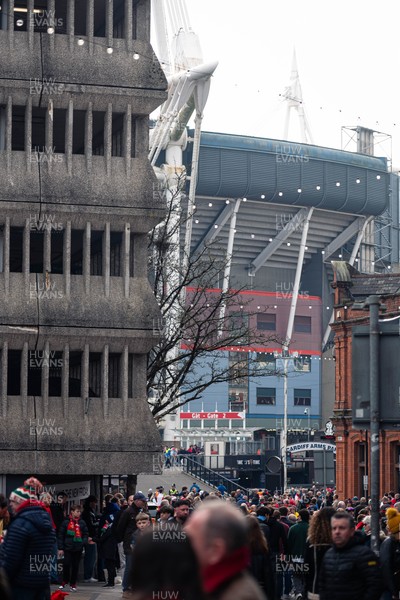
column 308, row 413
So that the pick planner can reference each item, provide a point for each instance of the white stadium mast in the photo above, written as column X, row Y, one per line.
column 180, row 54
column 294, row 98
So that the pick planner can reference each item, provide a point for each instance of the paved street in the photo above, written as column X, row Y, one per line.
column 168, row 477
column 93, row 591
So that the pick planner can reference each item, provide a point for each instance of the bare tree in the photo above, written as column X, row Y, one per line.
column 201, row 322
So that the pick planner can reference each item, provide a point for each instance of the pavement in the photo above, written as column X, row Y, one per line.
column 167, row 478
column 92, row 591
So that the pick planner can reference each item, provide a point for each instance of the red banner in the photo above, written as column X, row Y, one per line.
column 211, row 415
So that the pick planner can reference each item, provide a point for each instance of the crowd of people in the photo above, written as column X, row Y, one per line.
column 199, row 545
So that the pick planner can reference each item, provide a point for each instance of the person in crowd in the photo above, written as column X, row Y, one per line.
column 165, row 567
column 349, row 569
column 108, row 550
column 143, row 522
column 91, row 519
column 297, row 538
column 4, row 517
column 27, row 550
column 319, row 540
column 261, row 561
column 46, row 499
column 222, row 489
column 173, row 490
column 278, row 547
column 218, row 533
column 72, row 538
column 166, row 513
column 390, row 556
column 181, row 511
column 59, row 510
column 125, row 528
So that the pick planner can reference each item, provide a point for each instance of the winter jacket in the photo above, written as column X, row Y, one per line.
column 389, row 557
column 125, row 527
column 297, row 538
column 277, row 536
column 57, row 511
column 65, row 542
column 108, row 545
column 350, row 573
column 27, row 551
column 241, row 587
column 91, row 520
column 262, row 569
column 313, row 557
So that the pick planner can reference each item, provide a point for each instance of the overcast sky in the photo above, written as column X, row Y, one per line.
column 347, row 56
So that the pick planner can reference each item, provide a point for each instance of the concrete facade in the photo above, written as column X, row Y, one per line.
column 77, row 200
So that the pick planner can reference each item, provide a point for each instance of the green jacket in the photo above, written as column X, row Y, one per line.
column 297, row 538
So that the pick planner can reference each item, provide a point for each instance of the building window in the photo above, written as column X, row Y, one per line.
column 96, row 253
column 302, row 363
column 302, row 397
column 115, row 253
column 14, row 373
column 16, row 249
column 114, row 362
column 57, row 245
column 36, row 244
column 266, row 360
column 266, row 396
column 302, row 324
column 75, row 375
column 95, row 374
column 266, row 322
column 76, row 251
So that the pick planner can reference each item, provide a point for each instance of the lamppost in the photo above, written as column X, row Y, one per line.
column 308, row 413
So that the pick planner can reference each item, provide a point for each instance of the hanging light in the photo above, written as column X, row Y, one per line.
column 81, row 42
column 136, row 56
column 110, row 50
column 50, row 30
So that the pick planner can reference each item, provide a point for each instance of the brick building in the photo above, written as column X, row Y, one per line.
column 353, row 447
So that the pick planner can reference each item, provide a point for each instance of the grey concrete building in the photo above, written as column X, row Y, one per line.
column 78, row 80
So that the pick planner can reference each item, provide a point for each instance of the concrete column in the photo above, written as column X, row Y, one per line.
column 128, row 25
column 90, row 24
column 28, row 134
column 108, row 138
column 9, row 130
column 89, row 136
column 71, row 23
column 109, row 22
column 10, row 21
column 86, row 257
column 127, row 139
column 69, row 124
column 30, row 23
column 85, row 373
column 126, row 242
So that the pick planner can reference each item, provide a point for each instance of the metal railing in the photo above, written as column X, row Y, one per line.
column 193, row 467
